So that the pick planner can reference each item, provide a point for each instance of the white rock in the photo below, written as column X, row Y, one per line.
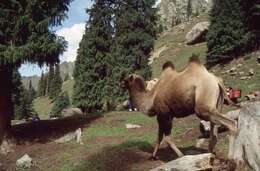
column 24, row 162
column 71, row 136
column 132, row 126
column 188, row 163
column 6, row 147
column 251, row 72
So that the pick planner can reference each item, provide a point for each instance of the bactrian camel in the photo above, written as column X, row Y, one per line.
column 180, row 94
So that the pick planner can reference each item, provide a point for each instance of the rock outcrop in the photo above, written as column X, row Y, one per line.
column 174, row 12
column 247, row 142
column 197, row 33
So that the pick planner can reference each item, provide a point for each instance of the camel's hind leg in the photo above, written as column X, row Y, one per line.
column 173, row 146
column 213, row 137
column 217, row 118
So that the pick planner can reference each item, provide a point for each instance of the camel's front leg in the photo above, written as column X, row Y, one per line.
column 157, row 145
column 173, row 146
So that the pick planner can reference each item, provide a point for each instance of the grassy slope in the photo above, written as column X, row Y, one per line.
column 43, row 105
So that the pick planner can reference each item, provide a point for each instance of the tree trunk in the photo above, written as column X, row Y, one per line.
column 6, row 108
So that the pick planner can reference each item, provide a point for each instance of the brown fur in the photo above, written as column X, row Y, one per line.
column 179, row 94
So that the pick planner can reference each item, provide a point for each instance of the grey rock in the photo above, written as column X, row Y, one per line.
column 247, row 142
column 188, row 163
column 71, row 112
column 71, row 136
column 24, row 162
column 174, row 12
column 197, row 33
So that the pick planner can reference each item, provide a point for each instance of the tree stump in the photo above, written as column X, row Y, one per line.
column 247, row 142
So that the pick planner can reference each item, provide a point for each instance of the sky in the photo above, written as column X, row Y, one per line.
column 72, row 30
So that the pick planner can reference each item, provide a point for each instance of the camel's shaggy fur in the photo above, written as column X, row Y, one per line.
column 179, row 94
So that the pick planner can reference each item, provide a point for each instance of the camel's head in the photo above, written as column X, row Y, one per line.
column 134, row 81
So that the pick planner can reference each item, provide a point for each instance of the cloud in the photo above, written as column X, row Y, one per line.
column 73, row 36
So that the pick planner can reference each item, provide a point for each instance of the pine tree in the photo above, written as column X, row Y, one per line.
column 41, row 86
column 230, row 34
column 136, row 30
column 50, row 80
column 61, row 102
column 31, row 91
column 56, row 83
column 92, row 63
column 25, row 36
column 21, row 98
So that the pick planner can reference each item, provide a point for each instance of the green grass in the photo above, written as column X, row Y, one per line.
column 42, row 106
column 68, row 86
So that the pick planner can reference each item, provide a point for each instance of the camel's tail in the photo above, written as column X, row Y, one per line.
column 223, row 96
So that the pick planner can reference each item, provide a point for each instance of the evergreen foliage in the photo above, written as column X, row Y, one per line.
column 25, row 36
column 136, row 30
column 92, row 63
column 50, row 80
column 118, row 39
column 234, row 30
column 60, row 103
column 55, row 82
column 22, row 98
column 42, row 84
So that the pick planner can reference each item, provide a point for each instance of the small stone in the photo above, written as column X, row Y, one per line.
column 241, row 73
column 132, row 126
column 233, row 69
column 24, row 162
column 258, row 59
column 251, row 72
column 239, row 65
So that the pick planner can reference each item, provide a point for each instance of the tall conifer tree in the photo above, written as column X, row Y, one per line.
column 92, row 63
column 25, row 36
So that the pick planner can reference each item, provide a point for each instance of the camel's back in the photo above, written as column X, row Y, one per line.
column 177, row 93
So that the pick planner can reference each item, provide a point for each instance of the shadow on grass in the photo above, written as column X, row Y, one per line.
column 46, row 130
column 130, row 155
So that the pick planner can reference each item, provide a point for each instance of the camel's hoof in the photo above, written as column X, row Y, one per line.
column 154, row 158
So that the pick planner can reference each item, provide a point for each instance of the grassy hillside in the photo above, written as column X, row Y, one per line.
column 43, row 105
column 178, row 52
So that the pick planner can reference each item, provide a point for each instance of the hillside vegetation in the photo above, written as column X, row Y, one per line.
column 178, row 52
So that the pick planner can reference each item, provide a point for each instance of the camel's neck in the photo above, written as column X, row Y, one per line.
column 142, row 99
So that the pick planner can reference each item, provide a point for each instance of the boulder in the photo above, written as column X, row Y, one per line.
column 188, row 163
column 247, row 142
column 24, row 162
column 71, row 112
column 71, row 136
column 197, row 33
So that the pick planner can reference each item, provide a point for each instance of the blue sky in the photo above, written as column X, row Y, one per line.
column 72, row 29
